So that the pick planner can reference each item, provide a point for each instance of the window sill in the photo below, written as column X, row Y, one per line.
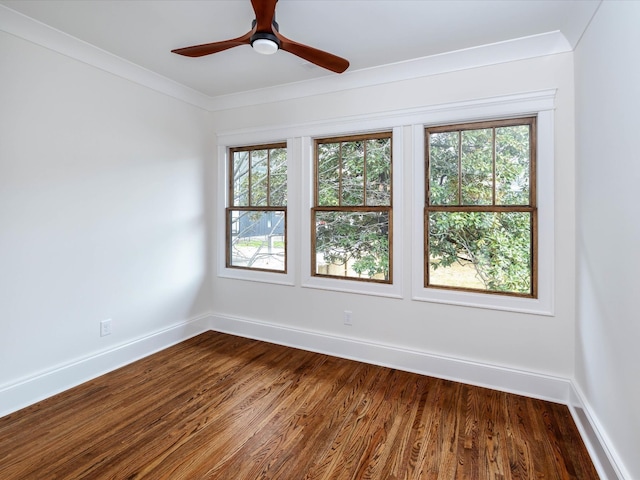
column 285, row 279
column 353, row 286
column 492, row 301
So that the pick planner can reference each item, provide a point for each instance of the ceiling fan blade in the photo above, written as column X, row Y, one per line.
column 265, row 11
column 215, row 47
column 318, row 57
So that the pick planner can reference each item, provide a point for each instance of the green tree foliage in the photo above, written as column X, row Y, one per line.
column 354, row 174
column 462, row 173
column 498, row 245
column 360, row 240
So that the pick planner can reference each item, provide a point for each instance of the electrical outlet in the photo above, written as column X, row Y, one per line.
column 105, row 327
column 347, row 317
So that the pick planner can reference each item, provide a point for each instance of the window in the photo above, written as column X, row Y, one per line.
column 330, row 197
column 256, row 218
column 480, row 213
column 352, row 208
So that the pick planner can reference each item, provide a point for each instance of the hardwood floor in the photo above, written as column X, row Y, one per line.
column 225, row 407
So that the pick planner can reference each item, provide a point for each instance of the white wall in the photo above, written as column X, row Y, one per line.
column 102, row 210
column 106, row 211
column 515, row 340
column 608, row 230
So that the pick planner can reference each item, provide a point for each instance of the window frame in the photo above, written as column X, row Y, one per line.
column 339, row 284
column 538, row 104
column 316, row 208
column 408, row 196
column 231, row 207
column 224, row 173
column 529, row 207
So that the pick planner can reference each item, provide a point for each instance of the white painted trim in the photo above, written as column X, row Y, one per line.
column 535, row 385
column 41, row 34
column 293, row 213
column 30, row 390
column 549, row 43
column 603, row 454
column 454, row 112
column 29, row 29
column 299, row 155
column 510, row 380
column 393, row 290
column 540, row 104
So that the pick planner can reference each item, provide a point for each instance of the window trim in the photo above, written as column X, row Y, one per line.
column 542, row 107
column 408, row 143
column 392, row 290
column 221, row 216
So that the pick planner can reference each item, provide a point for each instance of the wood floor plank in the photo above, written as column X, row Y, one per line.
column 224, row 407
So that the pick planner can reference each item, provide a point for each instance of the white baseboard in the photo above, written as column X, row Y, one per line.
column 604, row 457
column 30, row 390
column 33, row 389
column 534, row 385
column 555, row 389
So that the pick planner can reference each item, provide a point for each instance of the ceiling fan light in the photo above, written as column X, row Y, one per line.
column 265, row 46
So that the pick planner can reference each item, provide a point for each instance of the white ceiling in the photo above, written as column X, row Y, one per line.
column 369, row 33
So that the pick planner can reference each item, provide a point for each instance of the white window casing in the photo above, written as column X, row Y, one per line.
column 408, row 153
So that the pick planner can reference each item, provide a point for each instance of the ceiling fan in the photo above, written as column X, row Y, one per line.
column 265, row 38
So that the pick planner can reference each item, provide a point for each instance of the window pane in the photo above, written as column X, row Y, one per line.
column 259, row 175
column 476, row 163
column 278, row 177
column 378, row 164
column 353, row 173
column 352, row 244
column 328, row 174
column 257, row 239
column 513, row 165
column 480, row 250
column 240, row 179
column 443, row 168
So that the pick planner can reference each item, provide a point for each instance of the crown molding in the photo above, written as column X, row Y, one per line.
column 24, row 27
column 27, row 28
column 550, row 43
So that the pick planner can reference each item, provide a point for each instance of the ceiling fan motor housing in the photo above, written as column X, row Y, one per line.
column 265, row 36
column 267, row 42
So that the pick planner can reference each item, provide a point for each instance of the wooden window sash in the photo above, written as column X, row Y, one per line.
column 315, row 210
column 250, row 149
column 229, row 211
column 351, row 208
column 250, row 207
column 530, row 208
